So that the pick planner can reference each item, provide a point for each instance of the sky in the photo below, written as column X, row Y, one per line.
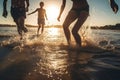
column 100, row 12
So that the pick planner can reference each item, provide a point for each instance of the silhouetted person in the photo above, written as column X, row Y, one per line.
column 18, row 12
column 79, row 12
column 41, row 17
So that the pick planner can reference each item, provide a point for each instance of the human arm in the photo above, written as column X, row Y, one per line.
column 46, row 15
column 27, row 5
column 114, row 6
column 62, row 9
column 33, row 12
column 5, row 13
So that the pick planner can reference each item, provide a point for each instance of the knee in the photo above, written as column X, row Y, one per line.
column 74, row 32
column 65, row 27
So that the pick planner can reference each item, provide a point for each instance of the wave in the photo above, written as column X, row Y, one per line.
column 35, row 41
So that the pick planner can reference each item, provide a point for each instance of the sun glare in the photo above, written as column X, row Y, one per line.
column 52, row 14
column 53, row 31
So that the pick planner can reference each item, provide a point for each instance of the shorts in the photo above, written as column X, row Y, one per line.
column 18, row 12
column 79, row 10
column 41, row 21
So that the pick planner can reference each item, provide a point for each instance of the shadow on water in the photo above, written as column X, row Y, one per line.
column 107, row 74
column 77, row 65
column 53, row 62
column 89, row 66
column 16, row 71
column 4, row 51
column 45, row 58
column 107, row 66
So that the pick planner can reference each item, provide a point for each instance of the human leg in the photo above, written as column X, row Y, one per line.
column 22, row 23
column 18, row 28
column 81, row 19
column 38, row 29
column 42, row 28
column 15, row 15
column 69, row 19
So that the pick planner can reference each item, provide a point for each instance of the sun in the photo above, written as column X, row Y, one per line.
column 52, row 13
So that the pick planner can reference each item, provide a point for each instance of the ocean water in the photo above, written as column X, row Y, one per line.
column 47, row 56
column 102, row 38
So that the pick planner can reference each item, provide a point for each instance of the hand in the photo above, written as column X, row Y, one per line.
column 114, row 7
column 58, row 19
column 5, row 13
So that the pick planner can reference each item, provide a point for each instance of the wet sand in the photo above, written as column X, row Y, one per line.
column 57, row 62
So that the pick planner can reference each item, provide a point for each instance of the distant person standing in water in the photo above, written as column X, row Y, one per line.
column 79, row 12
column 18, row 12
column 41, row 17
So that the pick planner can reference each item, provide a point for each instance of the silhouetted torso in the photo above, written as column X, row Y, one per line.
column 41, row 13
column 18, row 3
column 79, row 3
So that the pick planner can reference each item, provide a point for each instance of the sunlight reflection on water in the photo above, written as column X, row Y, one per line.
column 48, row 58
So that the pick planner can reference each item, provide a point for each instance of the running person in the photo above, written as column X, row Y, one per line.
column 41, row 17
column 18, row 12
column 79, row 12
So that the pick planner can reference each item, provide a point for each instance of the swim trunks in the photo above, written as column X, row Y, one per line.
column 17, row 12
column 41, row 21
column 78, row 10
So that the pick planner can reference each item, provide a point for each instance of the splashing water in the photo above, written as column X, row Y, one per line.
column 47, row 56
